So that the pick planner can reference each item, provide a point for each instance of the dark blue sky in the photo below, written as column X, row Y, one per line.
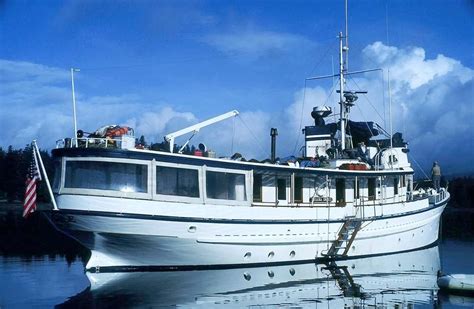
column 160, row 65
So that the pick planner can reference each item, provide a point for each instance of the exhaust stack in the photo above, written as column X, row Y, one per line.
column 273, row 134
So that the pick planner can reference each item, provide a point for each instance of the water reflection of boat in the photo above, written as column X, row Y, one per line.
column 404, row 278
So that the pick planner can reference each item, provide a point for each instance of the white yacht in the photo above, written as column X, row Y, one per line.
column 349, row 195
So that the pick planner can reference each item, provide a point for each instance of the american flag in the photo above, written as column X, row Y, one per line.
column 29, row 206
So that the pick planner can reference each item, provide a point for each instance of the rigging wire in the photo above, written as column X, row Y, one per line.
column 421, row 169
column 367, row 98
column 329, row 45
column 253, row 135
column 301, row 119
column 365, row 120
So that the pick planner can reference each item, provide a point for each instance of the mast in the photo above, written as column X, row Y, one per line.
column 341, row 94
column 344, row 114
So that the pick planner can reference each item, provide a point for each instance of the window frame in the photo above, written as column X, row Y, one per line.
column 213, row 201
column 341, row 192
column 260, row 188
column 374, row 196
column 298, row 189
column 284, row 179
column 356, row 188
column 108, row 193
column 396, row 185
column 178, row 198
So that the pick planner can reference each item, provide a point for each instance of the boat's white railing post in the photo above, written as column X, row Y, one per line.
column 38, row 155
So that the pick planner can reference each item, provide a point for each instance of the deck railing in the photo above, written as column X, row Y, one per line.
column 440, row 196
column 97, row 142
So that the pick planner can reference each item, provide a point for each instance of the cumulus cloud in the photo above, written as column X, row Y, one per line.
column 255, row 43
column 35, row 102
column 432, row 102
column 432, row 106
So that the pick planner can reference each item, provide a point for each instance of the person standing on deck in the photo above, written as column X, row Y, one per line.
column 436, row 175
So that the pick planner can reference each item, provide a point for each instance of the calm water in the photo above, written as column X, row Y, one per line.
column 399, row 280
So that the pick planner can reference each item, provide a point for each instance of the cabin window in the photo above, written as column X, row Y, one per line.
column 404, row 181
column 371, row 188
column 299, row 189
column 125, row 177
column 225, row 186
column 281, row 188
column 395, row 185
column 257, row 187
column 177, row 181
column 340, row 191
column 356, row 188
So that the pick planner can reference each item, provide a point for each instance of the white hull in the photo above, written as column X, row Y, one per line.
column 402, row 279
column 255, row 237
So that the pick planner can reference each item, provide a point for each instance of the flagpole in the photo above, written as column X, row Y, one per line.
column 38, row 155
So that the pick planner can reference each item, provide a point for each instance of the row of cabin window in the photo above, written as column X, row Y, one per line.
column 340, row 188
column 126, row 177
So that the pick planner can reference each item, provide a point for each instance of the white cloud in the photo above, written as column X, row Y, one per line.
column 410, row 66
column 256, row 43
column 432, row 101
column 432, row 106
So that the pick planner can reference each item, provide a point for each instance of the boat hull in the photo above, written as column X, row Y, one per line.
column 126, row 240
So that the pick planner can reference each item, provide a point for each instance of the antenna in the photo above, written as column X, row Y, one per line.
column 347, row 37
column 74, row 103
column 390, row 113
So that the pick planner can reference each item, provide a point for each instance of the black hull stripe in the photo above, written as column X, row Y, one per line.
column 226, row 221
column 106, row 269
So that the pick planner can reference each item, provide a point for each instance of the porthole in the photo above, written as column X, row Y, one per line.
column 247, row 255
column 192, row 229
column 271, row 254
column 247, row 276
column 292, row 254
column 292, row 271
column 271, row 274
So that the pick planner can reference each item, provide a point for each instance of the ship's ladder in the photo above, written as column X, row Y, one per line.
column 345, row 237
column 344, row 280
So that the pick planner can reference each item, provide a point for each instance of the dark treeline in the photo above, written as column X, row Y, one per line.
column 458, row 218
column 14, row 166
